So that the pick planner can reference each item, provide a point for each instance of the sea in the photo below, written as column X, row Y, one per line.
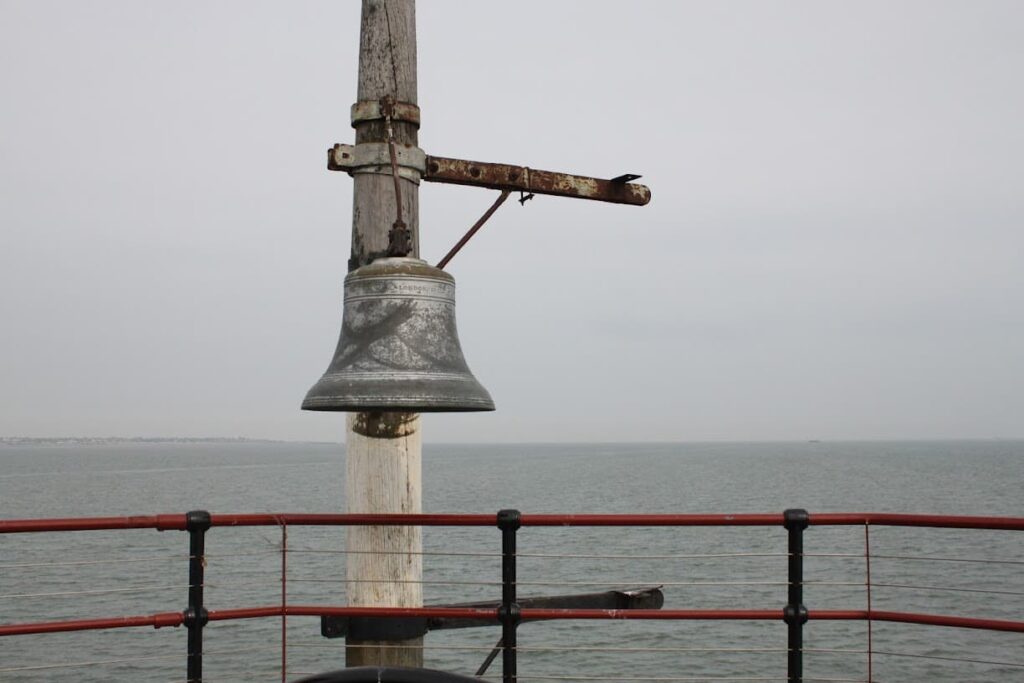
column 53, row 576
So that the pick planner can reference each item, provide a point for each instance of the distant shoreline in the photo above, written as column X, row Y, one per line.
column 28, row 441
column 114, row 440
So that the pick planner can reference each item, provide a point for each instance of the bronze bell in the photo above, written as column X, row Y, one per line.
column 399, row 349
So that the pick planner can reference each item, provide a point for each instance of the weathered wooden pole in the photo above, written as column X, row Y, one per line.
column 383, row 449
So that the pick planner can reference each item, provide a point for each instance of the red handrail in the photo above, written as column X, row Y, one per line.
column 158, row 522
column 154, row 620
column 176, row 618
column 915, row 618
column 900, row 519
column 178, row 522
column 318, row 519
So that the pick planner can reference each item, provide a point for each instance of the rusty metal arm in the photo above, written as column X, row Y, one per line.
column 524, row 179
column 413, row 164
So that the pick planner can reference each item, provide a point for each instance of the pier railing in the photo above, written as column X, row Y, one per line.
column 792, row 613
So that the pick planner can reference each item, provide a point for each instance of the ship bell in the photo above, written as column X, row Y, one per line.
column 399, row 349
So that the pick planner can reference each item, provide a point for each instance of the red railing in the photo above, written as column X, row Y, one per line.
column 283, row 520
column 178, row 522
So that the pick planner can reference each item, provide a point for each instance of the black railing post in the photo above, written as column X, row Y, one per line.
column 795, row 613
column 508, row 522
column 196, row 522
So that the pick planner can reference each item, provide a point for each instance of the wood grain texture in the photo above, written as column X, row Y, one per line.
column 384, row 474
column 383, row 456
column 387, row 66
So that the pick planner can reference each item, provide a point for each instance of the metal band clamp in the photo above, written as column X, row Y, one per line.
column 374, row 157
column 372, row 110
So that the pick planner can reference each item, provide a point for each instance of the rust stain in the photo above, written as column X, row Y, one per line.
column 509, row 177
column 385, row 425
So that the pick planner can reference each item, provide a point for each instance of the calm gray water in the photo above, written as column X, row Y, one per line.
column 148, row 568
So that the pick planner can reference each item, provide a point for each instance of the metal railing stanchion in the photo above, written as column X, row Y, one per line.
column 867, row 584
column 795, row 613
column 196, row 523
column 509, row 522
column 284, row 602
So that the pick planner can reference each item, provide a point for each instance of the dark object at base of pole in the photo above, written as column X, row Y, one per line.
column 404, row 628
column 393, row 674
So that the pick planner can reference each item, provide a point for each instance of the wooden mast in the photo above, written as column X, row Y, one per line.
column 383, row 449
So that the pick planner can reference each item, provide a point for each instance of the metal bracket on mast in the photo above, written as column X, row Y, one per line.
column 375, row 157
column 375, row 110
column 535, row 181
column 414, row 164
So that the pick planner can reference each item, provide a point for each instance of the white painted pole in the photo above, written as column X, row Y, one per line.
column 383, row 470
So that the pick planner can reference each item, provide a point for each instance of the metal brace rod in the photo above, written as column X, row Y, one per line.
column 508, row 177
column 472, row 231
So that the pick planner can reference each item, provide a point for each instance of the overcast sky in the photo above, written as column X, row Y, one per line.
column 833, row 249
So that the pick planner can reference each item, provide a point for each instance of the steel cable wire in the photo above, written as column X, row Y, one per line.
column 928, row 558
column 329, row 646
column 241, row 675
column 649, row 557
column 547, row 677
column 566, row 556
column 101, row 591
column 82, row 563
column 574, row 648
column 221, row 556
column 99, row 662
column 950, row 589
column 540, row 648
column 333, row 551
column 640, row 582
column 1019, row 665
column 402, row 581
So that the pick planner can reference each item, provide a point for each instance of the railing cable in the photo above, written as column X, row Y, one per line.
column 926, row 558
column 553, row 677
column 75, row 665
column 96, row 591
column 948, row 589
column 1019, row 665
column 83, row 563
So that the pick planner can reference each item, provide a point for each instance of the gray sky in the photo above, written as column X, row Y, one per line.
column 833, row 249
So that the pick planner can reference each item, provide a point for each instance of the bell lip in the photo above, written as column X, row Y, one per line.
column 396, row 409
column 329, row 404
column 439, row 393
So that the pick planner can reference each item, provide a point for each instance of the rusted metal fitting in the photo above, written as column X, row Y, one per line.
column 524, row 179
column 374, row 110
column 375, row 157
